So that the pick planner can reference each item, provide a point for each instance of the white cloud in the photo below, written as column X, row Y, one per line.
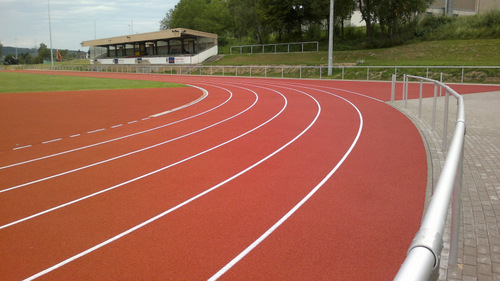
column 72, row 21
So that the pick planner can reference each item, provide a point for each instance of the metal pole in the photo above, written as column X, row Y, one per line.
column 330, row 39
column 445, row 119
column 393, row 87
column 420, row 100
column 434, row 107
column 456, row 206
column 50, row 35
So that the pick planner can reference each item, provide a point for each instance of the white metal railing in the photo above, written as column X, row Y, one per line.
column 423, row 257
column 262, row 47
column 452, row 74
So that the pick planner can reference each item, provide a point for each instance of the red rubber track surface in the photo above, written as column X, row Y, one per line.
column 92, row 188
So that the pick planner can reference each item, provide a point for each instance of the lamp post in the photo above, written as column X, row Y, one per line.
column 50, row 34
column 330, row 39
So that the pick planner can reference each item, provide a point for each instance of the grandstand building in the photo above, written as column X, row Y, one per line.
column 173, row 46
column 462, row 7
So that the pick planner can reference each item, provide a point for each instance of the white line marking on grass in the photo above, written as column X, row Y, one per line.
column 296, row 207
column 112, row 140
column 187, row 201
column 49, row 141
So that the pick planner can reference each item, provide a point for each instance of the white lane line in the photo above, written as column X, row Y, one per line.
column 21, row 147
column 49, row 141
column 143, row 119
column 185, row 202
column 145, row 175
column 116, row 126
column 296, row 207
column 337, row 89
column 95, row 131
column 133, row 152
column 112, row 140
column 132, row 122
column 205, row 94
column 74, row 136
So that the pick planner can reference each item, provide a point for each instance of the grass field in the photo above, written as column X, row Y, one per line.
column 12, row 82
column 484, row 52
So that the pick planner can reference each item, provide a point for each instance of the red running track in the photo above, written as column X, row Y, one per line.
column 261, row 179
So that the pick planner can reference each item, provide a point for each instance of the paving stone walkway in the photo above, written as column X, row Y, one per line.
column 479, row 245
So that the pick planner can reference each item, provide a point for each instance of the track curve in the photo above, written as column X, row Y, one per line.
column 184, row 201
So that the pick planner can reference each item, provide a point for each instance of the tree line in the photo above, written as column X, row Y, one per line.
column 276, row 21
column 43, row 53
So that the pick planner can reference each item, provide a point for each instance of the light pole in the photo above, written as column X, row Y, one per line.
column 50, row 34
column 330, row 39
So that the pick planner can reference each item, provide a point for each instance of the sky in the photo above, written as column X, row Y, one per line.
column 25, row 23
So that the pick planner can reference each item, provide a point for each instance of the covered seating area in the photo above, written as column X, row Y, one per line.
column 172, row 46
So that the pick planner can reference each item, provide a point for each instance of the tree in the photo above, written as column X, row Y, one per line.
column 343, row 11
column 204, row 15
column 165, row 23
column 1, row 47
column 43, row 53
column 25, row 58
column 367, row 9
column 10, row 59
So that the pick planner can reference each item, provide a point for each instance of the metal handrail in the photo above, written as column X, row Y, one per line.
column 262, row 46
column 423, row 257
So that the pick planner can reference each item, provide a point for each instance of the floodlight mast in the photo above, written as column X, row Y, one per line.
column 330, row 39
column 50, row 35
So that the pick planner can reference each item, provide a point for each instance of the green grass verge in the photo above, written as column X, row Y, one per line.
column 12, row 82
column 481, row 52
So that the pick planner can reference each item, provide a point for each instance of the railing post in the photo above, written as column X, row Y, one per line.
column 463, row 70
column 343, row 72
column 320, row 72
column 445, row 120
column 420, row 100
column 456, row 206
column 367, row 73
column 393, row 87
column 434, row 107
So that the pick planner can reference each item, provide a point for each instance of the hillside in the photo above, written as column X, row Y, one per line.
column 476, row 52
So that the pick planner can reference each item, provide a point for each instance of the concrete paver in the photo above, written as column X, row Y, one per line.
column 479, row 245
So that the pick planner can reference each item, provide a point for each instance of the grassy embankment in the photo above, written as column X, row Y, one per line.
column 476, row 52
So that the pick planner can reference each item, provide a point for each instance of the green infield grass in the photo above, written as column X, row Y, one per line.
column 14, row 82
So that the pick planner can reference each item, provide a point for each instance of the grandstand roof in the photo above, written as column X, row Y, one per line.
column 175, row 33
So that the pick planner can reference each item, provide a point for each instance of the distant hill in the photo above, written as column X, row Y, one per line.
column 6, row 50
column 12, row 51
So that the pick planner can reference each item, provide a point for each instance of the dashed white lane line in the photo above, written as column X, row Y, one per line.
column 181, row 204
column 74, row 136
column 132, row 122
column 116, row 126
column 115, row 139
column 95, row 131
column 49, row 141
column 21, row 147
